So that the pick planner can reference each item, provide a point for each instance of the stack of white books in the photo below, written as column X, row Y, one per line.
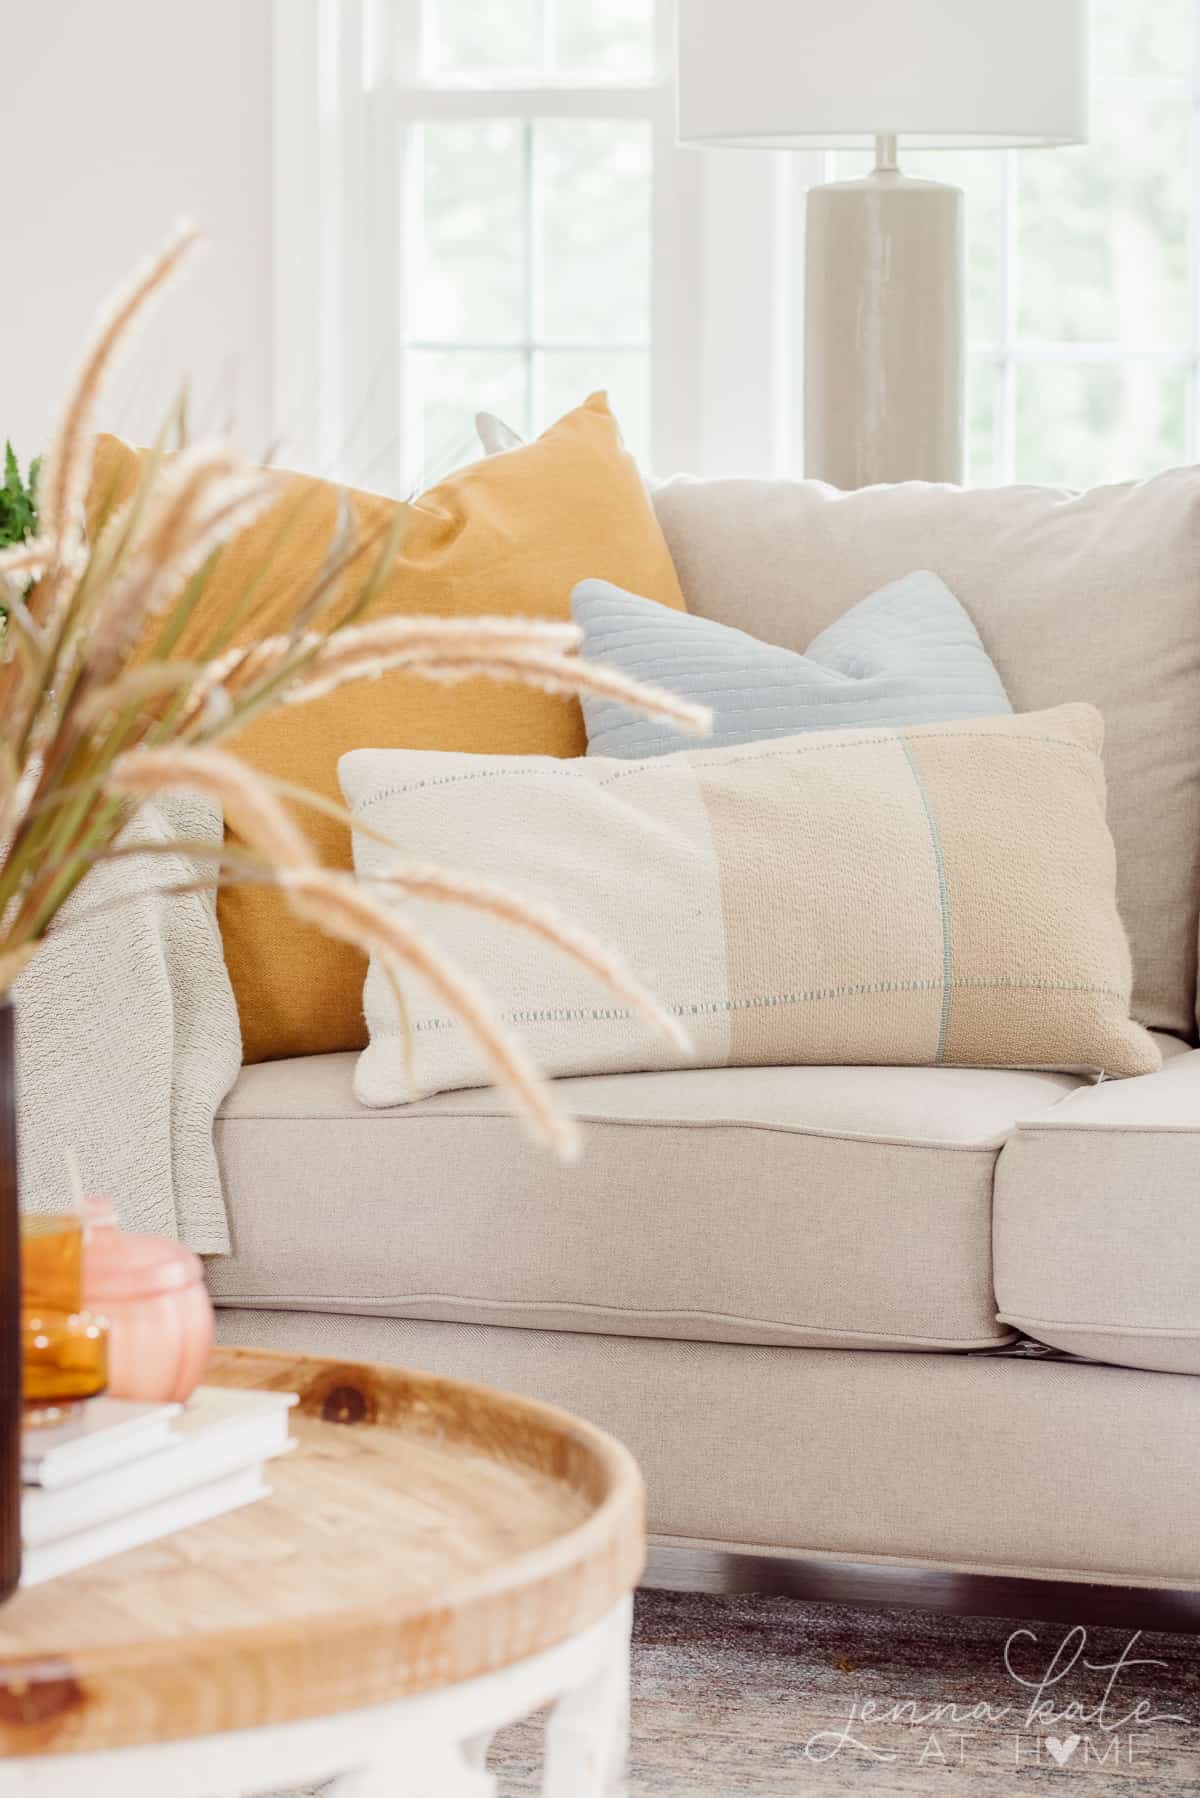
column 117, row 1474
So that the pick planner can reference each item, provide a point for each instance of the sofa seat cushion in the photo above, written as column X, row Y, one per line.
column 832, row 1207
column 1097, row 1230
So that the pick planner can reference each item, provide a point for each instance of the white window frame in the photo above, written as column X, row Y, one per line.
column 346, row 73
column 727, row 259
column 727, row 249
column 1009, row 352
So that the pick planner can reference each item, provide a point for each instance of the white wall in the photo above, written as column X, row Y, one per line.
column 120, row 116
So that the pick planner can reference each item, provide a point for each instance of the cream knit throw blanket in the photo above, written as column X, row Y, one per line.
column 128, row 1040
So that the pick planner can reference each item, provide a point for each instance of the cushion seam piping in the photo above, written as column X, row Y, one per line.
column 624, row 1313
column 1189, row 1332
column 388, row 1114
column 1054, row 1128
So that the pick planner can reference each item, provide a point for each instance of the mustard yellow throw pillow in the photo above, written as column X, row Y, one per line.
column 510, row 535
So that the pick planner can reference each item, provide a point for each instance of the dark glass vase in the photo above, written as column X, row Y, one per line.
column 10, row 1316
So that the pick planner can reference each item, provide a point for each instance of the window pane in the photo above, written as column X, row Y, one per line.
column 444, row 390
column 566, row 377
column 980, row 174
column 1104, row 228
column 612, row 38
column 1143, row 37
column 983, row 396
column 475, row 37
column 1082, row 424
column 594, row 195
column 468, row 261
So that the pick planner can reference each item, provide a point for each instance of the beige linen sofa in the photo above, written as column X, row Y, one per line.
column 802, row 1294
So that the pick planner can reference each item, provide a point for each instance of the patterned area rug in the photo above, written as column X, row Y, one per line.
column 764, row 1697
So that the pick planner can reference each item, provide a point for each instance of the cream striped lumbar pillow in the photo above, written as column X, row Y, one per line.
column 938, row 894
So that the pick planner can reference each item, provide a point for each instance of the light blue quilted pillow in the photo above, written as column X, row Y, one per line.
column 907, row 655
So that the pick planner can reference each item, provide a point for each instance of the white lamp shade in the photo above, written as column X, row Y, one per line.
column 836, row 74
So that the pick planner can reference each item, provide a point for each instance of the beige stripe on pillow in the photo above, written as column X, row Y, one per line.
column 939, row 894
column 1031, row 877
column 876, row 991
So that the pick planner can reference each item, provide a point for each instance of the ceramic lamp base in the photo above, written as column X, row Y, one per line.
column 883, row 352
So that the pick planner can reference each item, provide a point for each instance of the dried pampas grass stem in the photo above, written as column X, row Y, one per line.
column 344, row 910
column 116, row 686
column 541, row 921
column 68, row 463
column 248, row 803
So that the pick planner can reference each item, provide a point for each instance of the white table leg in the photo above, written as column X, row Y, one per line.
column 428, row 1769
column 587, row 1732
column 476, row 1750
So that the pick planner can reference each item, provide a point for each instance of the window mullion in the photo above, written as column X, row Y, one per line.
column 546, row 35
column 401, row 198
column 411, row 238
column 1006, row 398
column 534, row 263
column 677, row 300
column 546, row 100
column 340, row 369
column 296, row 396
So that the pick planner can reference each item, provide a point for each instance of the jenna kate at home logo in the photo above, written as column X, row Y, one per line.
column 1048, row 1723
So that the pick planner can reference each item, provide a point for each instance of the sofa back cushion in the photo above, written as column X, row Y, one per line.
column 1092, row 596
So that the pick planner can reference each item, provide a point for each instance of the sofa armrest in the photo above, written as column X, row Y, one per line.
column 1096, row 1222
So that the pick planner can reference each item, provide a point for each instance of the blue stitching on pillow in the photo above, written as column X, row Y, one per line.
column 701, row 1007
column 652, row 764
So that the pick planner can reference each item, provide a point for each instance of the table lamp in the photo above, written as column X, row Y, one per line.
column 883, row 343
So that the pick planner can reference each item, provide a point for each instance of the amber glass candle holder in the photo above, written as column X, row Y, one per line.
column 65, row 1348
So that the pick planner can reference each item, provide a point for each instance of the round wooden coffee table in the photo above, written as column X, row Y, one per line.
column 436, row 1559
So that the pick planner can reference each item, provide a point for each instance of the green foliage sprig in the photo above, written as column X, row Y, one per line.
column 18, row 500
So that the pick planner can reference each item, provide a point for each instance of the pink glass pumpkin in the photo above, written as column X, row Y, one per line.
column 160, row 1316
